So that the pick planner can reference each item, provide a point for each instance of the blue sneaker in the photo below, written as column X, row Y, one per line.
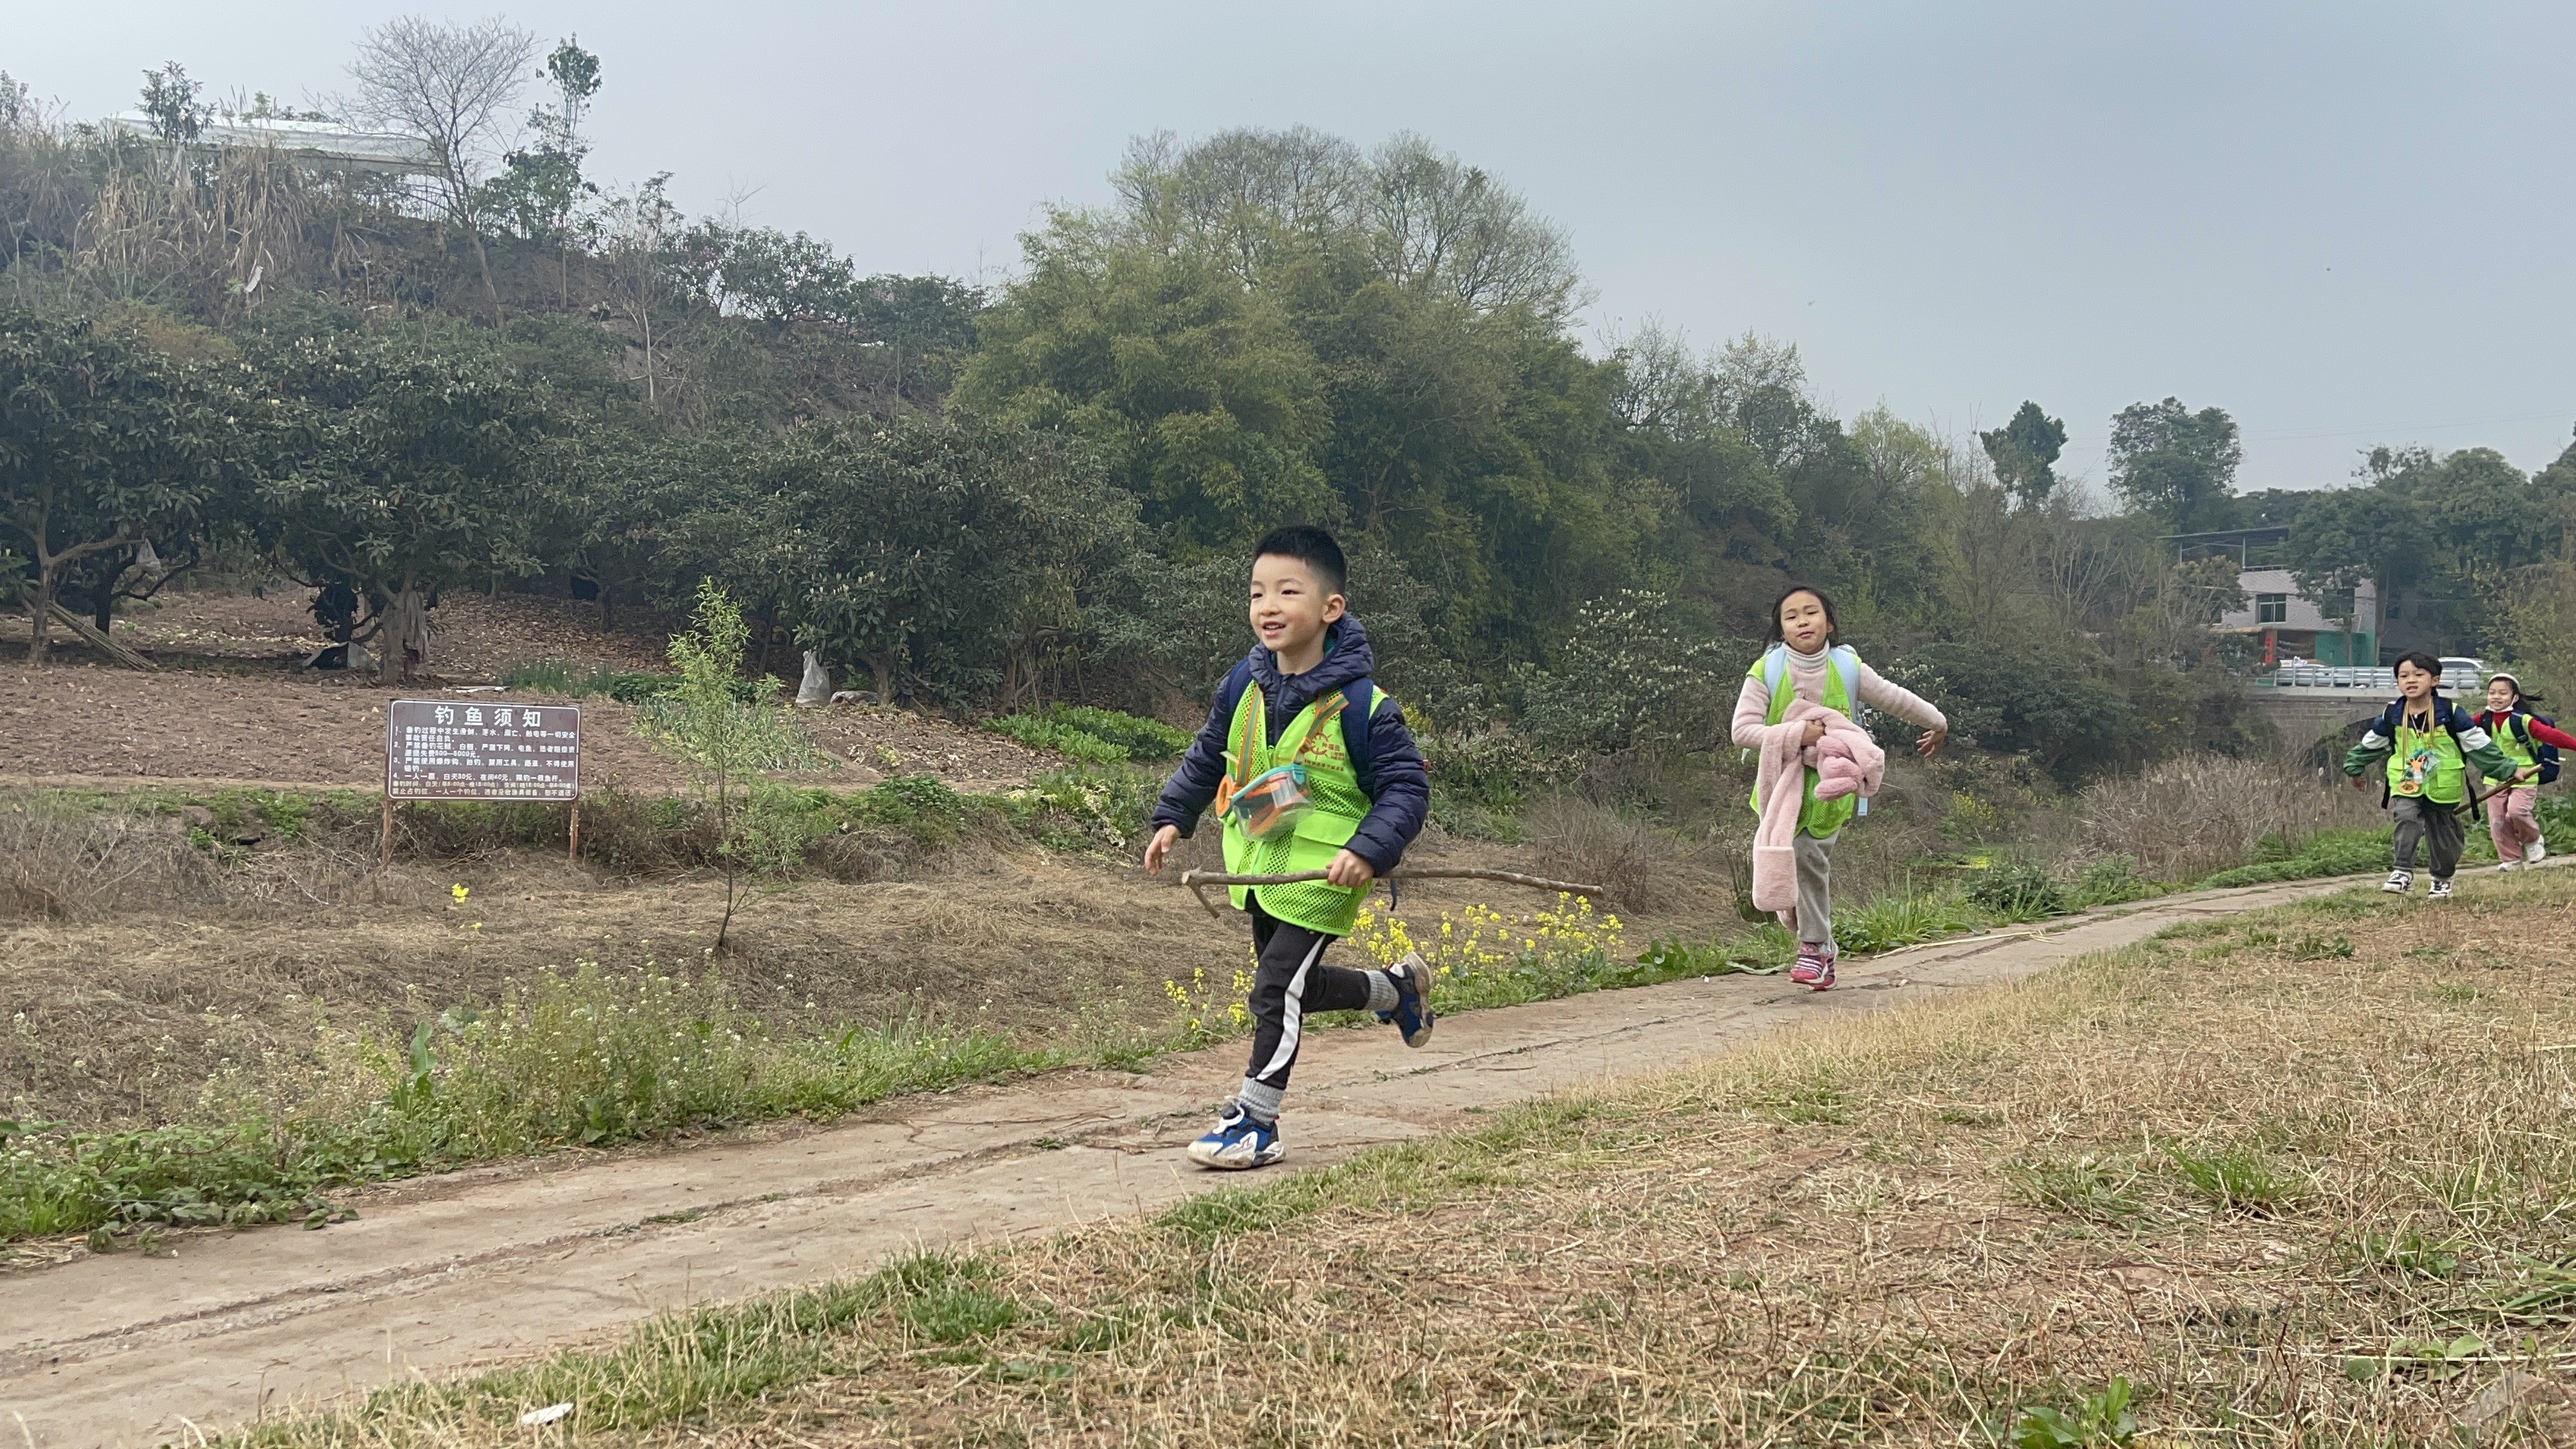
column 1240, row 1141
column 1412, row 1014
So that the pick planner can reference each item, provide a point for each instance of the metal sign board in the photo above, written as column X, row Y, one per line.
column 444, row 749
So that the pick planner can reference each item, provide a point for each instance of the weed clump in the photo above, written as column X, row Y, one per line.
column 589, row 1057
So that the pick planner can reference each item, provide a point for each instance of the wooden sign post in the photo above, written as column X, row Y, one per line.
column 443, row 749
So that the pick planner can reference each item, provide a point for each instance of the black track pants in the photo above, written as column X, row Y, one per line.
column 1290, row 981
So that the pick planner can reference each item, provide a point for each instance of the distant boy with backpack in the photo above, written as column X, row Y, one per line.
column 2531, row 743
column 2428, row 744
column 1311, row 767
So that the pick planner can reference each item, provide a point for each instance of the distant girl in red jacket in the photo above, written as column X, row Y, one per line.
column 2532, row 744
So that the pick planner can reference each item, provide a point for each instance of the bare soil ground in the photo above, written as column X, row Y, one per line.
column 473, row 637
column 446, row 1272
column 230, row 707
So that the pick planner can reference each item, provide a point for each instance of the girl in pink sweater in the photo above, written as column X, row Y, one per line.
column 1805, row 663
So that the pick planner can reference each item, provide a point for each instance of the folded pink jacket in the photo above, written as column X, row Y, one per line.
column 1847, row 761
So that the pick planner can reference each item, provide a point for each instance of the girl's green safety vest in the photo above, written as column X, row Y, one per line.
column 2516, row 743
column 1313, row 842
column 2427, row 764
column 1819, row 818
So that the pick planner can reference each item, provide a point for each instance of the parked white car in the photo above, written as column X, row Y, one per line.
column 2462, row 675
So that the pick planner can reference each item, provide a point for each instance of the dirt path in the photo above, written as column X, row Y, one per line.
column 490, row 1264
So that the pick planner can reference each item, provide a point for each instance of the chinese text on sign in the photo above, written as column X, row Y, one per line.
column 438, row 749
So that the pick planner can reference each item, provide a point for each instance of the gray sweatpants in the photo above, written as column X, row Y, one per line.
column 2436, row 827
column 1816, row 889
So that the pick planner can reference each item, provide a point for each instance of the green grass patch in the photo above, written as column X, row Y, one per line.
column 591, row 1057
column 626, row 686
column 1092, row 736
column 2083, row 1186
column 1904, row 918
column 2240, row 1178
column 2349, row 850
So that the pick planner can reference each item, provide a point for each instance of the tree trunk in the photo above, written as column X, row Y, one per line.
column 103, row 607
column 768, row 628
column 42, row 623
column 484, row 261
column 402, row 644
column 652, row 399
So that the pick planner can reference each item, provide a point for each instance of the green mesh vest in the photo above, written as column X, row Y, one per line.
column 1822, row 819
column 1316, row 839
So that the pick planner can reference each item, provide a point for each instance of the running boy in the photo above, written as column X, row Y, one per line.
column 1805, row 662
column 1311, row 768
column 2532, row 744
column 2428, row 743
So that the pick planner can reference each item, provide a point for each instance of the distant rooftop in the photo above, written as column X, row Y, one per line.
column 320, row 142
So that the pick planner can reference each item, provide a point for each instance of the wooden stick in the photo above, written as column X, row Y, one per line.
column 385, row 841
column 573, row 852
column 1199, row 880
column 88, row 634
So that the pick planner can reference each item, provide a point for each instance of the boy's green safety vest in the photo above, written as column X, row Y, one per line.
column 1822, row 819
column 2427, row 764
column 1313, row 842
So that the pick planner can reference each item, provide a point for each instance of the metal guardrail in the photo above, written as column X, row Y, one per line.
column 2299, row 674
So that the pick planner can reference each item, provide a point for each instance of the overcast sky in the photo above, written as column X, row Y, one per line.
column 2346, row 223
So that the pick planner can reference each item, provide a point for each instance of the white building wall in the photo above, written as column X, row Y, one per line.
column 2302, row 611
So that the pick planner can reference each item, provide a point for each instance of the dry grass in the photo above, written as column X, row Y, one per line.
column 66, row 861
column 2296, row 1178
column 2187, row 819
column 1643, row 866
column 133, row 963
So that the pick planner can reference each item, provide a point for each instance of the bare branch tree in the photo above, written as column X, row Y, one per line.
column 450, row 85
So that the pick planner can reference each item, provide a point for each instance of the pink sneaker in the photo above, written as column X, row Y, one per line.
column 1814, row 967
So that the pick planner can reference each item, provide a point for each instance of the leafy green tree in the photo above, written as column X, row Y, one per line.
column 170, row 101
column 924, row 550
column 2176, row 464
column 2024, row 452
column 1273, row 326
column 410, row 466
column 727, row 743
column 540, row 185
column 106, row 443
column 1196, row 392
column 2440, row 527
column 2057, row 707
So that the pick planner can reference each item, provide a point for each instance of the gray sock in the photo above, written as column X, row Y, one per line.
column 1382, row 992
column 1261, row 1101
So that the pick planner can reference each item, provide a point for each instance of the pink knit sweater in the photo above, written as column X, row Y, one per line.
column 1807, row 682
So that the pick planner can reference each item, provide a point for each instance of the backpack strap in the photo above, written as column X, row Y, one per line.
column 1361, row 699
column 1229, row 700
column 1327, row 711
column 1846, row 663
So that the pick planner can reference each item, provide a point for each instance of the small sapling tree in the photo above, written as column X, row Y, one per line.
column 727, row 742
